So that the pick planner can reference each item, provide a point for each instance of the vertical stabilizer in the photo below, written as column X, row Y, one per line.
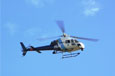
column 24, row 49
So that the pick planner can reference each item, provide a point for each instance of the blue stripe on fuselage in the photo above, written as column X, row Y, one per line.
column 61, row 44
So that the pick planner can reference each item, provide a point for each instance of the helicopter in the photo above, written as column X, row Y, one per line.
column 65, row 43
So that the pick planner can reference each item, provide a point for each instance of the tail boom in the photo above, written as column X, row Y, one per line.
column 24, row 49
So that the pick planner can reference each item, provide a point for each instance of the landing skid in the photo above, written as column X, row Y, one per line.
column 66, row 55
column 70, row 55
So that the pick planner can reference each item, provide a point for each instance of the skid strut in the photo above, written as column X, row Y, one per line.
column 70, row 55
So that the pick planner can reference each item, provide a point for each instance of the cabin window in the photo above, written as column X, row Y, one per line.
column 76, row 41
column 72, row 40
column 67, row 41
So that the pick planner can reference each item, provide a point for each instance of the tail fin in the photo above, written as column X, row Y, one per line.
column 24, row 49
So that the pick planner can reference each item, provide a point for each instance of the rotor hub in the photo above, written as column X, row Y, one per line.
column 65, row 35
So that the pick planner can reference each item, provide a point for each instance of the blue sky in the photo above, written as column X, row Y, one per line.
column 28, row 20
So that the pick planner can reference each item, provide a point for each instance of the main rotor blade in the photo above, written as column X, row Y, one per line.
column 61, row 25
column 90, row 39
column 48, row 38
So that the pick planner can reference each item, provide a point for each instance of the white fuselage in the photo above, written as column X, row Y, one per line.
column 68, row 44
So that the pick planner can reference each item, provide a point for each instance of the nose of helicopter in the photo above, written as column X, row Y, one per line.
column 82, row 46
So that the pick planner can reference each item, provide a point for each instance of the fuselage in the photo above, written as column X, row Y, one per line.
column 68, row 44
